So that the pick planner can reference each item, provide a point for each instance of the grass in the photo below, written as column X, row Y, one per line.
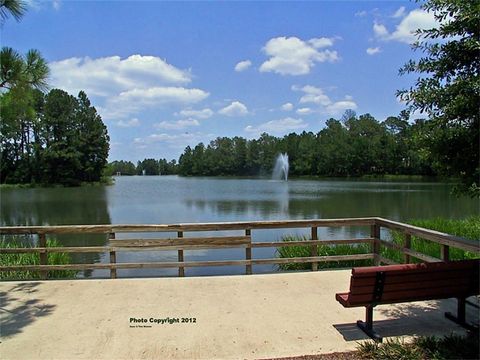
column 323, row 250
column 449, row 347
column 33, row 259
column 468, row 228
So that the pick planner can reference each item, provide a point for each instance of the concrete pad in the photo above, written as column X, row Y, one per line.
column 228, row 317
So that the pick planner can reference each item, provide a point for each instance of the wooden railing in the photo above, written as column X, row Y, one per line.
column 181, row 243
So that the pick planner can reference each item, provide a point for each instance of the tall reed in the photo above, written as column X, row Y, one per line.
column 32, row 259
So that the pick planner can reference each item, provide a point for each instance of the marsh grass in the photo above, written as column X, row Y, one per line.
column 323, row 250
column 32, row 259
column 468, row 228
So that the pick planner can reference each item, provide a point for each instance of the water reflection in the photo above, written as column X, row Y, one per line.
column 303, row 200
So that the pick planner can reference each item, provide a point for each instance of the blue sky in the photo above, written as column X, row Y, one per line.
column 164, row 75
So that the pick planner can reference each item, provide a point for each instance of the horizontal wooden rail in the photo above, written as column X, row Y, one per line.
column 159, row 245
column 106, row 229
column 69, row 249
column 312, row 242
column 182, row 243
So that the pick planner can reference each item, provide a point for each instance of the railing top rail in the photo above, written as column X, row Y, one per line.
column 105, row 229
column 436, row 236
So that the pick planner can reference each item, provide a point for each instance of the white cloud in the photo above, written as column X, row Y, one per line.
column 135, row 100
column 380, row 30
column 177, row 125
column 293, row 56
column 405, row 30
column 304, row 111
column 128, row 123
column 236, row 108
column 56, row 4
column 315, row 95
column 287, row 107
column 243, row 65
column 161, row 95
column 111, row 75
column 174, row 141
column 361, row 13
column 322, row 42
column 399, row 13
column 278, row 126
column 126, row 86
column 373, row 51
column 199, row 114
column 339, row 107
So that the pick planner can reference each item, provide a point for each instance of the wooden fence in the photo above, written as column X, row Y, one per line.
column 180, row 243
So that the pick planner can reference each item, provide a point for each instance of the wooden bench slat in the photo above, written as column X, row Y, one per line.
column 411, row 286
column 415, row 268
column 418, row 295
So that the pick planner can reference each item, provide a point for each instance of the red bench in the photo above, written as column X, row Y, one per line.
column 376, row 285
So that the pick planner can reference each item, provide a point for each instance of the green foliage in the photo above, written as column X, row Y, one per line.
column 15, row 8
column 151, row 167
column 50, row 139
column 351, row 147
column 391, row 349
column 148, row 167
column 32, row 259
column 449, row 90
column 323, row 250
column 120, row 167
column 449, row 347
column 19, row 71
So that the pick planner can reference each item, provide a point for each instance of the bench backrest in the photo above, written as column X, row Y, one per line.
column 411, row 282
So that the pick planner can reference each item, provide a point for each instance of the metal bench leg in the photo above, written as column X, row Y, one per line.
column 367, row 326
column 460, row 318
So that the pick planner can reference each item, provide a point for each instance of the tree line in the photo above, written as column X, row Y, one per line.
column 351, row 146
column 144, row 167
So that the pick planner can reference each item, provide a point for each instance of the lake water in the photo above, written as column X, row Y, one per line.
column 172, row 199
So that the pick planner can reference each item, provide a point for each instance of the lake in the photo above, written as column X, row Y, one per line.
column 173, row 199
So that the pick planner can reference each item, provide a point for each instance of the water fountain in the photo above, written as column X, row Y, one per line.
column 280, row 171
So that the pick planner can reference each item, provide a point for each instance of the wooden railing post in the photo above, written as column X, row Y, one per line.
column 375, row 234
column 408, row 244
column 181, row 269
column 248, row 253
column 314, row 248
column 113, row 258
column 445, row 252
column 42, row 242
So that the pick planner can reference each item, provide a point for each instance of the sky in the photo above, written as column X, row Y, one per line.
column 164, row 75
